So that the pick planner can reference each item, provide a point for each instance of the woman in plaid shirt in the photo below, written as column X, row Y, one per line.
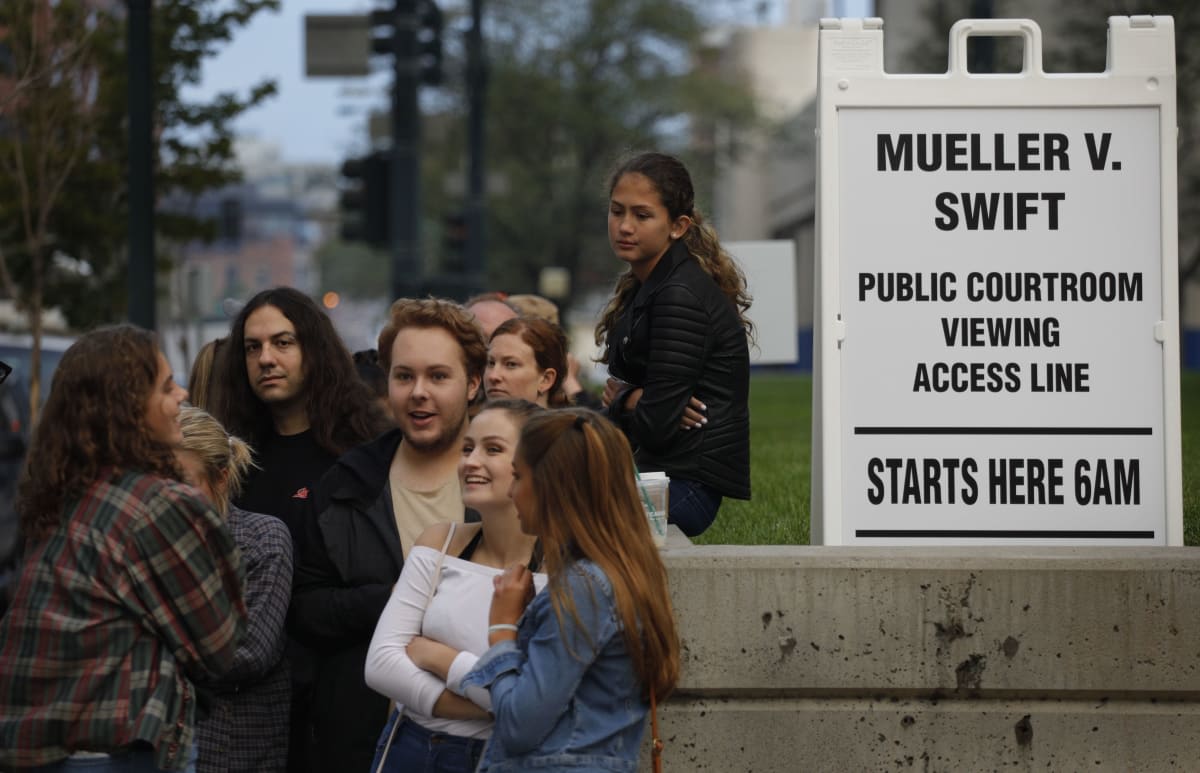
column 131, row 588
column 247, row 724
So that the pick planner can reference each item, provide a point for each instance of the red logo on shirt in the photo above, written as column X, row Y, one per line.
column 301, row 493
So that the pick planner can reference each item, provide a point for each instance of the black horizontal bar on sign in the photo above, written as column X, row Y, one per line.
column 1005, row 533
column 1003, row 430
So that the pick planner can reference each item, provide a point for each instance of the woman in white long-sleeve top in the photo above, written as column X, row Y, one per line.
column 435, row 624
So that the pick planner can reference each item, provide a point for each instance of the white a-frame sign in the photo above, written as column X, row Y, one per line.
column 997, row 353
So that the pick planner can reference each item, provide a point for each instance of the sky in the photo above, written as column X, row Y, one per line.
column 321, row 120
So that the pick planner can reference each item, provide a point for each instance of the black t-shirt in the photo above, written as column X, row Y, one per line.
column 290, row 466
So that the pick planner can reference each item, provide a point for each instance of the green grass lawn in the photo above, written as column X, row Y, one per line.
column 781, row 459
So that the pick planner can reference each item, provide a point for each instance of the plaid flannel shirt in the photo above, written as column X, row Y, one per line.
column 135, row 595
column 247, row 725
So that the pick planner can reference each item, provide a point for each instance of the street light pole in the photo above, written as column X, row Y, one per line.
column 406, row 139
column 476, row 211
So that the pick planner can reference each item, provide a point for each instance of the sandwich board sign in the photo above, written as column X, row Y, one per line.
column 996, row 332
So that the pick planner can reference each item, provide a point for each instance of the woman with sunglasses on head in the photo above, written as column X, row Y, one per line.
column 573, row 670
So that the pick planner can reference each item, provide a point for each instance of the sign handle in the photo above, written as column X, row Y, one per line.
column 1001, row 28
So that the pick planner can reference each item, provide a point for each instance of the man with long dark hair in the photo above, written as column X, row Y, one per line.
column 286, row 383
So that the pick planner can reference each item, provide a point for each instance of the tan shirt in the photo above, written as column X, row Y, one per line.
column 415, row 511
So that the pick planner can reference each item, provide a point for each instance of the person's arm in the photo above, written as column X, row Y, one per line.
column 268, row 565
column 185, row 570
column 654, row 415
column 449, row 665
column 532, row 689
column 326, row 612
column 389, row 669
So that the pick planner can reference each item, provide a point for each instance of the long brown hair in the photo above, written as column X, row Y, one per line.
column 200, row 382
column 549, row 345
column 587, row 507
column 670, row 178
column 341, row 410
column 94, row 418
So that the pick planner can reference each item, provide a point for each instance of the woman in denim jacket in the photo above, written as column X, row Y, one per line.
column 572, row 670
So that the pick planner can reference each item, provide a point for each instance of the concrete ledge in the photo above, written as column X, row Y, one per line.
column 941, row 652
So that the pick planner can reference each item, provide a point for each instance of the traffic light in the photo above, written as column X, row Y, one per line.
column 454, row 242
column 365, row 199
column 428, row 35
column 429, row 42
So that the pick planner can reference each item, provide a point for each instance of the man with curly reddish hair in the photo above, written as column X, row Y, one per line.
column 373, row 504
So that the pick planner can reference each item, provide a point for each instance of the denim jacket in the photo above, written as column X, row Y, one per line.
column 564, row 698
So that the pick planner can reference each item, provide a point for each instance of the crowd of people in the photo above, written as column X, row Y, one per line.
column 432, row 555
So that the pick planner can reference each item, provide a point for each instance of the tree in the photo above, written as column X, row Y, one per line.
column 64, row 146
column 47, row 125
column 573, row 86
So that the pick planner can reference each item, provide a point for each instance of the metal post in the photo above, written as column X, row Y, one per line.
column 983, row 58
column 406, row 168
column 475, row 263
column 141, row 283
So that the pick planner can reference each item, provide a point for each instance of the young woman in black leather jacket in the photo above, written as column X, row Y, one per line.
column 676, row 341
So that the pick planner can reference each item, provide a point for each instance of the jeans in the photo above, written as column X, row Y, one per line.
column 138, row 760
column 692, row 506
column 417, row 750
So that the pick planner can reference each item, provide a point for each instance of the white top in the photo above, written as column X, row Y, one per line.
column 457, row 617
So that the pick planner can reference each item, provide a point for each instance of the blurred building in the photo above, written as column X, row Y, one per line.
column 268, row 227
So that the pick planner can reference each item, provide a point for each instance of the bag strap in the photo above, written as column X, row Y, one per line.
column 437, row 572
column 437, row 577
column 656, row 748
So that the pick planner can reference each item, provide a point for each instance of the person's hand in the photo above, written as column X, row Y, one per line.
column 430, row 655
column 571, row 383
column 694, row 415
column 614, row 386
column 513, row 591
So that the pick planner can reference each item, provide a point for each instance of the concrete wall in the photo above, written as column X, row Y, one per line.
column 846, row 658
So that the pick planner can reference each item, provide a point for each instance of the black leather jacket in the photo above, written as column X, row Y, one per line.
column 680, row 336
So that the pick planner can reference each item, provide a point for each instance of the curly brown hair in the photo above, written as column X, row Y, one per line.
column 89, row 425
column 436, row 312
column 670, row 178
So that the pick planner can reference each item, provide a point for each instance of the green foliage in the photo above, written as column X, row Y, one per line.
column 88, row 220
column 572, row 87
column 1190, row 424
column 780, row 467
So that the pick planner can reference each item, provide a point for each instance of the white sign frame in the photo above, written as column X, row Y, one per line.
column 867, row 453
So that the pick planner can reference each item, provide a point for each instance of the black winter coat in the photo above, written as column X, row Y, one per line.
column 681, row 337
column 350, row 559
